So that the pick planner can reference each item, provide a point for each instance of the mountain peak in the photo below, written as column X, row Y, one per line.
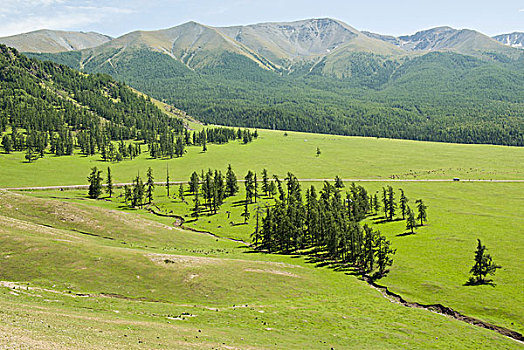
column 52, row 41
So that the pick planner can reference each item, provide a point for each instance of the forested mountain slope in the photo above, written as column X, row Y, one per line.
column 52, row 102
column 324, row 76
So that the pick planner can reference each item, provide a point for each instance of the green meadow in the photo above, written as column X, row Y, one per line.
column 122, row 278
column 348, row 157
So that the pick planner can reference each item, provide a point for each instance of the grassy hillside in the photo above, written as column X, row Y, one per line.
column 431, row 266
column 51, row 101
column 186, row 289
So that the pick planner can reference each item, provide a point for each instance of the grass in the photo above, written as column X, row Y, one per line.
column 430, row 266
column 348, row 157
column 433, row 265
column 216, row 297
column 62, row 242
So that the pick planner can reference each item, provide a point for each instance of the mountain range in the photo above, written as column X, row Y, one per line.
column 323, row 75
column 279, row 42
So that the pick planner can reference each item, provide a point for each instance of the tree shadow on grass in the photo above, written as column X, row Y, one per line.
column 240, row 203
column 383, row 220
column 409, row 233
column 322, row 259
column 473, row 282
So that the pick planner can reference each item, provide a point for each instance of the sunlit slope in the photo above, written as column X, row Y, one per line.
column 52, row 41
column 169, row 295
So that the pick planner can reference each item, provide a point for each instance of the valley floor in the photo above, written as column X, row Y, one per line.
column 80, row 273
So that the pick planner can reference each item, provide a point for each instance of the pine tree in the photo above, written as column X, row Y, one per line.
column 265, row 182
column 194, row 183
column 128, row 194
column 255, row 182
column 208, row 188
column 245, row 213
column 376, row 204
column 196, row 208
column 368, row 251
column 109, row 187
column 181, row 192
column 218, row 190
column 256, row 235
column 30, row 154
column 7, row 143
column 95, row 183
column 422, row 214
column 484, row 265
column 391, row 203
column 383, row 253
column 167, row 181
column 150, row 183
column 138, row 192
column 410, row 221
column 385, row 202
column 231, row 182
column 338, row 182
column 250, row 186
column 272, row 189
column 403, row 203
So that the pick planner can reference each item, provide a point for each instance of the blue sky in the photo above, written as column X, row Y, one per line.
column 117, row 17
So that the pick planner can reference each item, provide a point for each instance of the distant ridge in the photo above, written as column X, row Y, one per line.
column 53, row 41
column 515, row 39
column 273, row 45
column 463, row 41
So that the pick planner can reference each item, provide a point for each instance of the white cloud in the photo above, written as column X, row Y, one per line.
column 59, row 17
column 63, row 21
column 19, row 6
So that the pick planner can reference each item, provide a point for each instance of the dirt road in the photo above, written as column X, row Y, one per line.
column 75, row 187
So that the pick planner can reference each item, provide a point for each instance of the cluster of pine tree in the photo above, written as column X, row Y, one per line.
column 140, row 193
column 328, row 221
column 213, row 187
column 389, row 205
column 168, row 144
